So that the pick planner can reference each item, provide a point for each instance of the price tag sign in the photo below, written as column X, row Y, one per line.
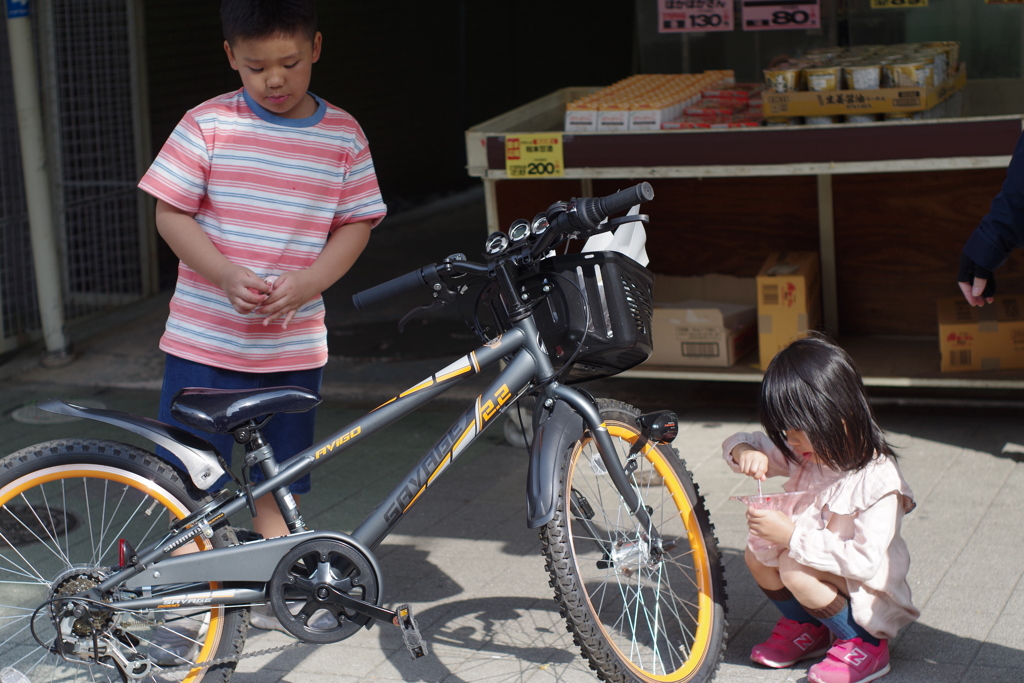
column 902, row 4
column 538, row 155
column 17, row 9
column 692, row 16
column 780, row 15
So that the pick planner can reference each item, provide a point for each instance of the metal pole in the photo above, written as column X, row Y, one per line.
column 37, row 182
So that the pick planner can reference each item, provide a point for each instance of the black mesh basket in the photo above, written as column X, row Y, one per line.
column 616, row 290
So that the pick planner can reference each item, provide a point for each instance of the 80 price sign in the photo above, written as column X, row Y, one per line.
column 762, row 15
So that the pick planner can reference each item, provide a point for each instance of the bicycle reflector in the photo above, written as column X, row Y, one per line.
column 661, row 426
column 126, row 554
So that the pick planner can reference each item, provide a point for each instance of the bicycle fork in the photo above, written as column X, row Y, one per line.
column 654, row 427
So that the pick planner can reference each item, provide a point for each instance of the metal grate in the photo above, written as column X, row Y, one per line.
column 92, row 75
column 18, row 308
column 91, row 103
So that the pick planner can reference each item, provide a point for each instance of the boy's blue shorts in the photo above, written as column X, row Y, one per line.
column 287, row 433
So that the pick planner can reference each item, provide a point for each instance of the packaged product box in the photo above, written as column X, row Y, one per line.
column 788, row 300
column 613, row 117
column 581, row 116
column 706, row 321
column 987, row 338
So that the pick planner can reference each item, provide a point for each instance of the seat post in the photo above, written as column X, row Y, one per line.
column 259, row 452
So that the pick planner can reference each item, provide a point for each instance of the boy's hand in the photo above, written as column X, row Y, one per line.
column 752, row 462
column 244, row 289
column 771, row 525
column 291, row 291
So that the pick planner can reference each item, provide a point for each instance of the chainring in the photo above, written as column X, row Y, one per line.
column 302, row 584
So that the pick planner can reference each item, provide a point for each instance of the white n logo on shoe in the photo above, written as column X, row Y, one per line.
column 804, row 641
column 856, row 656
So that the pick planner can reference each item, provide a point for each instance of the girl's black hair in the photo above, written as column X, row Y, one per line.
column 254, row 19
column 813, row 386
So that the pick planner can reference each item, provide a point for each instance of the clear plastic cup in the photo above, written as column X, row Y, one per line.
column 788, row 502
column 783, row 502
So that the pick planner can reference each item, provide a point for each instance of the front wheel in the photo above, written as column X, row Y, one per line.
column 64, row 507
column 638, row 612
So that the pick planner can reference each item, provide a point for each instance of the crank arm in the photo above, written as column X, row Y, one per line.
column 402, row 618
column 366, row 609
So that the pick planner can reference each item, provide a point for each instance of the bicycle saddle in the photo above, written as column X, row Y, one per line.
column 222, row 411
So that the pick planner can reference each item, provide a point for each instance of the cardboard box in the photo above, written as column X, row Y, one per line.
column 788, row 300
column 707, row 321
column 847, row 102
column 987, row 338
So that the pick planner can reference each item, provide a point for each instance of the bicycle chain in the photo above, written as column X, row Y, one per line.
column 229, row 659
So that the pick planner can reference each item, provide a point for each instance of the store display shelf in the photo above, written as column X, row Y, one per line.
column 982, row 138
column 979, row 139
column 911, row 362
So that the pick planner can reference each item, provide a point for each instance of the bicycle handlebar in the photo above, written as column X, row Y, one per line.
column 368, row 298
column 625, row 199
column 583, row 214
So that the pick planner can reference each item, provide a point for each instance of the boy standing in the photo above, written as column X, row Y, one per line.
column 266, row 182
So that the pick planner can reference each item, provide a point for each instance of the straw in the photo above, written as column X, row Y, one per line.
column 759, row 487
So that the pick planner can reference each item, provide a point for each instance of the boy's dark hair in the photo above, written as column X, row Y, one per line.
column 813, row 386
column 254, row 19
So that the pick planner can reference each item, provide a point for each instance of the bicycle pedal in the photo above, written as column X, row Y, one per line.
column 410, row 632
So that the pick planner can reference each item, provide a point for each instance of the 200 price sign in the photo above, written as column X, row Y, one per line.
column 534, row 156
column 772, row 15
column 693, row 16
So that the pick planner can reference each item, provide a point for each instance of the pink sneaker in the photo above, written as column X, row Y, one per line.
column 851, row 661
column 791, row 642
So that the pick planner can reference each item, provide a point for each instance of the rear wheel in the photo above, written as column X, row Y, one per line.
column 638, row 612
column 64, row 505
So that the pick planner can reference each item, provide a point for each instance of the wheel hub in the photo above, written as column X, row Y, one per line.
column 628, row 557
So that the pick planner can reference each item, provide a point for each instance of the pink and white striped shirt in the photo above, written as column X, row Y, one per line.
column 268, row 191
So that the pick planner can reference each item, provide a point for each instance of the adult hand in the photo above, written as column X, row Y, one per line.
column 977, row 283
column 771, row 525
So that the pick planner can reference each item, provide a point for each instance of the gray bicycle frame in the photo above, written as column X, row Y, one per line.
column 529, row 361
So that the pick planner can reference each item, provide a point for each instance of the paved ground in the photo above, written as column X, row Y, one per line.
column 473, row 573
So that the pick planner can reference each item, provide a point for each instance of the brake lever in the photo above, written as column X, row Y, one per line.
column 613, row 223
column 435, row 305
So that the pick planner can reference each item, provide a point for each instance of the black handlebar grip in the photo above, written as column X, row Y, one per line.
column 369, row 298
column 625, row 199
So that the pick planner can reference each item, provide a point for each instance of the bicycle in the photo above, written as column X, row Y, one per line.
column 107, row 551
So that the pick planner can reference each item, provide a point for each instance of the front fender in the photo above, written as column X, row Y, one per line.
column 554, row 431
column 197, row 455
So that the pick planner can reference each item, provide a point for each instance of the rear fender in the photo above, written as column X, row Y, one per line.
column 197, row 455
column 554, row 431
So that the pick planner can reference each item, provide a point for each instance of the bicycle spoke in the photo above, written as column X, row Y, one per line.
column 60, row 556
column 46, row 507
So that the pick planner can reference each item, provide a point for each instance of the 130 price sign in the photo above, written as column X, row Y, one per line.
column 693, row 16
column 773, row 15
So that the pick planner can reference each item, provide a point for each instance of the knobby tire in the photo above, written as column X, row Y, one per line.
column 636, row 617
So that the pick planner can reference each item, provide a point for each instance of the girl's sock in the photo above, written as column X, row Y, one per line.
column 790, row 608
column 838, row 617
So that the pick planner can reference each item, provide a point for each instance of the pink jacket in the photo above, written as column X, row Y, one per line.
column 847, row 525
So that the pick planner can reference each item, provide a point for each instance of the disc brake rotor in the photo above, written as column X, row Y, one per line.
column 306, row 579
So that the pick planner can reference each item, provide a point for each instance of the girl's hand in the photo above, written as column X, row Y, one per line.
column 751, row 462
column 244, row 289
column 771, row 525
column 291, row 291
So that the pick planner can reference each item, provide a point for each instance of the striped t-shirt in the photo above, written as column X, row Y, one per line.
column 268, row 191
